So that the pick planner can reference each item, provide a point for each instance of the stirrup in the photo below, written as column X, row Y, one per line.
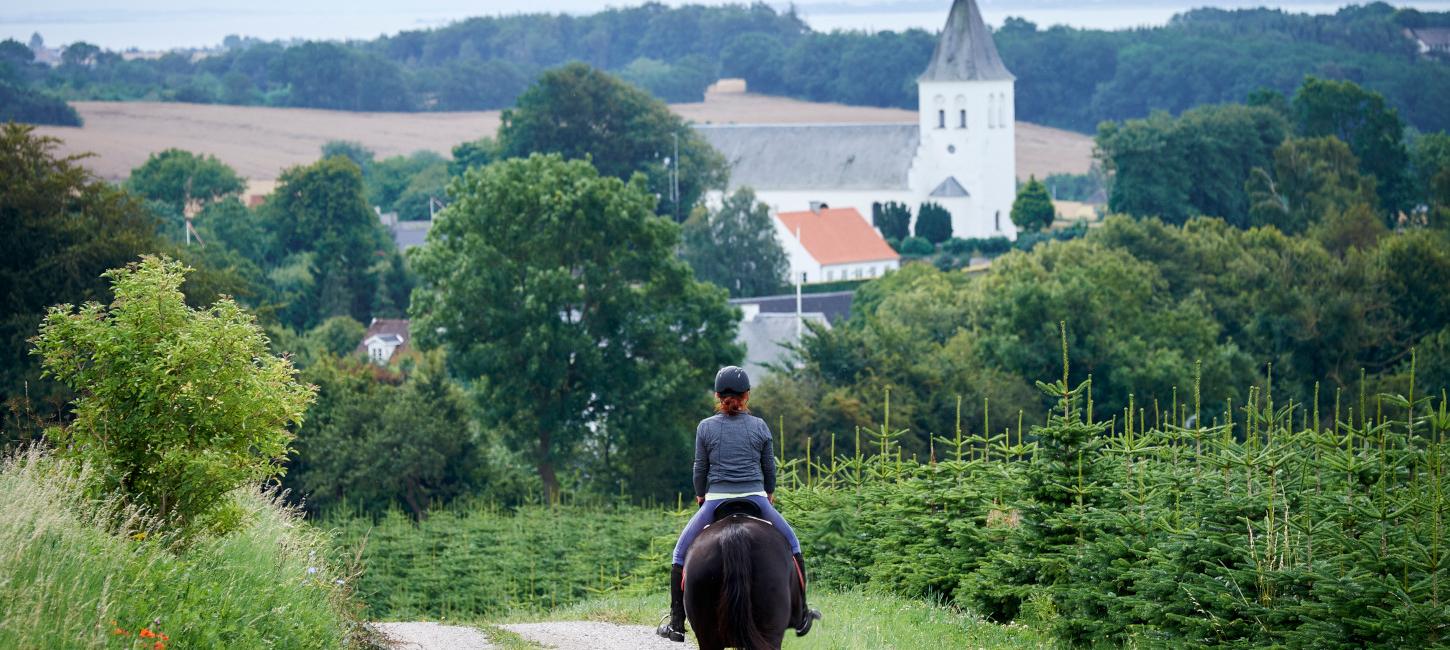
column 668, row 630
column 812, row 615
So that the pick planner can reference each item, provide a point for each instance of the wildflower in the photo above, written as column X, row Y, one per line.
column 311, row 570
column 120, row 632
column 146, row 633
column 338, row 581
column 159, row 646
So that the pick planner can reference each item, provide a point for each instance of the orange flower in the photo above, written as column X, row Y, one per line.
column 165, row 638
column 146, row 633
column 159, row 646
column 120, row 632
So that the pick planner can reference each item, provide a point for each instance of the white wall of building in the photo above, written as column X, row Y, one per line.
column 979, row 152
column 857, row 270
column 801, row 262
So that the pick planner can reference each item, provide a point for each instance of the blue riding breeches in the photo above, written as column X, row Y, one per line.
column 706, row 514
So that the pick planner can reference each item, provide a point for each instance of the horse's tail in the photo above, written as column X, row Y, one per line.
column 736, row 613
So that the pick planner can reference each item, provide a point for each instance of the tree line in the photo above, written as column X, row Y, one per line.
column 1069, row 78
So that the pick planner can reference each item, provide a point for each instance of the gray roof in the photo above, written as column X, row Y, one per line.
column 407, row 234
column 965, row 51
column 815, row 157
column 766, row 336
column 950, row 188
column 835, row 305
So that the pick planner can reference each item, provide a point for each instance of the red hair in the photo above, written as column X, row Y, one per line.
column 732, row 403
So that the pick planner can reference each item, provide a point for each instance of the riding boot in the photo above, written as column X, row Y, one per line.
column 803, row 618
column 674, row 630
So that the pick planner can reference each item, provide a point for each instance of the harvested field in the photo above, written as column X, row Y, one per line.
column 260, row 142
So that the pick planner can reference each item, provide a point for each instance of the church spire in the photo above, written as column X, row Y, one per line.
column 965, row 51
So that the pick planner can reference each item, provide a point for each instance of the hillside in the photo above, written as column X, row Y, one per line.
column 259, row 142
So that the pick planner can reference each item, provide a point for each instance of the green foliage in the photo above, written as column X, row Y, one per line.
column 1310, row 178
column 735, row 247
column 177, row 407
column 355, row 151
column 183, row 180
column 1373, row 131
column 1143, row 301
column 474, row 153
column 64, row 228
column 20, row 100
column 474, row 559
column 915, row 246
column 684, row 81
column 76, row 577
column 933, row 223
column 1195, row 164
column 1077, row 187
column 1032, row 210
column 320, row 74
column 892, row 219
column 373, row 445
column 324, row 232
column 404, row 184
column 544, row 265
column 580, row 112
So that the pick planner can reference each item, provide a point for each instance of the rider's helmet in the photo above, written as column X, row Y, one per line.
column 732, row 379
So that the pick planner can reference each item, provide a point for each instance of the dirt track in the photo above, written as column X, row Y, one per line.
column 260, row 142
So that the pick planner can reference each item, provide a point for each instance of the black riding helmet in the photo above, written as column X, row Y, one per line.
column 732, row 379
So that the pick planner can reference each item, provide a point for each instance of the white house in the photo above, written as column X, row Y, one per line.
column 828, row 244
column 383, row 339
column 960, row 153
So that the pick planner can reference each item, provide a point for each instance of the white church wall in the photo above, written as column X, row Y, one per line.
column 968, row 133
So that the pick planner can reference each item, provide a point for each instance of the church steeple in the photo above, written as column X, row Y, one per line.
column 965, row 51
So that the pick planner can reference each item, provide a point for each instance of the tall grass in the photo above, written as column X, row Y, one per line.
column 82, row 572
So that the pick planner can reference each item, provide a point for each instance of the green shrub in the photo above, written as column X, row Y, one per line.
column 72, row 577
column 933, row 223
column 178, row 406
column 916, row 246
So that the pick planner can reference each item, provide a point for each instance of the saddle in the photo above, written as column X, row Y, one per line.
column 732, row 507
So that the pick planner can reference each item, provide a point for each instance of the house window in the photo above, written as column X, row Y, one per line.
column 873, row 271
column 941, row 119
column 831, row 275
column 962, row 119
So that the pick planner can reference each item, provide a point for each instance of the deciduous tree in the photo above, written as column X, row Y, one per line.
column 736, row 246
column 578, row 111
column 556, row 291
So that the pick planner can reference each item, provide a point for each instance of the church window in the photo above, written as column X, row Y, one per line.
column 951, row 148
column 962, row 119
column 941, row 119
column 997, row 221
column 991, row 111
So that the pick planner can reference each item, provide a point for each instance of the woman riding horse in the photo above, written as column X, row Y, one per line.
column 733, row 460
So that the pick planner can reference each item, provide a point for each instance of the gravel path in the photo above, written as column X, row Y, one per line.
column 432, row 636
column 559, row 635
column 590, row 635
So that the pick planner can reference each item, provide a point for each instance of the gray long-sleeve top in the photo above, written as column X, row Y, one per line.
column 733, row 454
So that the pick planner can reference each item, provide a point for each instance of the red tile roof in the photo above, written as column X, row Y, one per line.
column 837, row 236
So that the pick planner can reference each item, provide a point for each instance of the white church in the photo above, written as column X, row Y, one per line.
column 960, row 154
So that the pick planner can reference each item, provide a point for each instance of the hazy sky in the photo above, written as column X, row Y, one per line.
column 161, row 24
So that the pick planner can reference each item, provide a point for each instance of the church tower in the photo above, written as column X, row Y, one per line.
column 966, row 160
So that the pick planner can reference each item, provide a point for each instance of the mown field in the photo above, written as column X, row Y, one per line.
column 259, row 142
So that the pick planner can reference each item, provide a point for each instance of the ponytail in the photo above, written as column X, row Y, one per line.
column 732, row 403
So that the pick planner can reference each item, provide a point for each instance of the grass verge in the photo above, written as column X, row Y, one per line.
column 78, row 572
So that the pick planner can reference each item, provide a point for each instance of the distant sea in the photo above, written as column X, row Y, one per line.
column 165, row 24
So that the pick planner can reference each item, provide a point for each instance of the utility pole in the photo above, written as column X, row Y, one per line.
column 675, row 176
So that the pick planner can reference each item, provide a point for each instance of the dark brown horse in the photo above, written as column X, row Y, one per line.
column 741, row 584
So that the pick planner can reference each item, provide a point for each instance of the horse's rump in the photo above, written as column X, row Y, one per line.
column 739, row 585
